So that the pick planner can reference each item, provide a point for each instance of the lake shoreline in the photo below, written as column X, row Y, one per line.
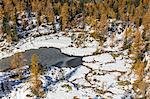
column 47, row 56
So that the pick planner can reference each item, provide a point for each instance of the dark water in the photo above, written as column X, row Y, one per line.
column 47, row 57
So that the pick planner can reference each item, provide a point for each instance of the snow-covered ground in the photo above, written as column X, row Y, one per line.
column 97, row 80
column 53, row 40
column 99, row 77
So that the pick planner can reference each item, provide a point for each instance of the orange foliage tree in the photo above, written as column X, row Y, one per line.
column 17, row 62
column 35, row 73
column 137, row 45
column 139, row 85
column 64, row 15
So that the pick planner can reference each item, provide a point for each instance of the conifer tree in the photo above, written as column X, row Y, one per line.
column 139, row 86
column 6, row 26
column 111, row 13
column 50, row 12
column 138, row 67
column 57, row 8
column 13, row 18
column 146, row 19
column 17, row 62
column 20, row 6
column 34, row 66
column 35, row 73
column 137, row 45
column 1, row 13
column 7, row 5
column 74, row 8
column 9, row 39
column 127, row 36
column 64, row 15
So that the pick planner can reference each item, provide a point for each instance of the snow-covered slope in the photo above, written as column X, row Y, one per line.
column 107, row 75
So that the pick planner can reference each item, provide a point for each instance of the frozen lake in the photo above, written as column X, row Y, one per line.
column 47, row 57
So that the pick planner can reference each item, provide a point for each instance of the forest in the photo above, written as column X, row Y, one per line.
column 100, row 21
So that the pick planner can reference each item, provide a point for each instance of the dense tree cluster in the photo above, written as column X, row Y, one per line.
column 94, row 13
column 136, row 11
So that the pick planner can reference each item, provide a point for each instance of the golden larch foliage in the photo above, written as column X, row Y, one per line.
column 34, row 66
column 1, row 13
column 64, row 15
column 137, row 45
column 49, row 11
column 146, row 20
column 127, row 34
column 9, row 39
column 139, row 85
column 138, row 68
column 35, row 75
column 20, row 6
column 17, row 60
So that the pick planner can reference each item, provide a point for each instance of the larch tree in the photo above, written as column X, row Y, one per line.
column 132, row 13
column 9, row 16
column 64, row 15
column 17, row 62
column 6, row 26
column 35, row 73
column 74, row 7
column 13, row 19
column 1, row 13
column 139, row 85
column 9, row 39
column 20, row 6
column 139, row 14
column 57, row 8
column 7, row 5
column 137, row 45
column 34, row 67
column 34, row 4
column 146, row 19
column 127, row 35
column 49, row 11
column 121, row 9
column 111, row 13
column 6, row 19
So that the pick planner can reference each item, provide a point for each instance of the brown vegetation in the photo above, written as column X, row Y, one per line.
column 137, row 45
column 17, row 62
column 139, row 85
column 35, row 77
